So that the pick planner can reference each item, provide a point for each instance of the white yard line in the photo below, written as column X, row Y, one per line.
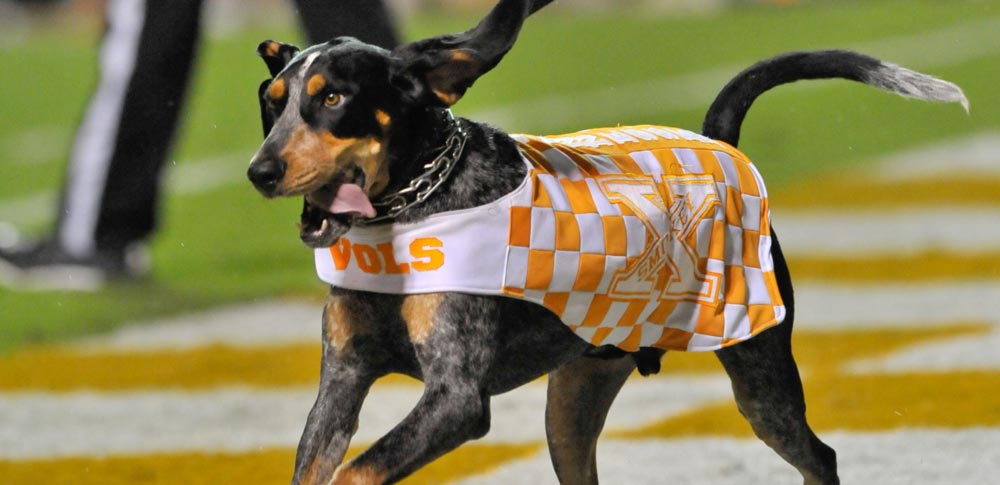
column 35, row 145
column 206, row 174
column 28, row 209
column 45, row 425
column 950, row 45
column 819, row 305
column 192, row 177
column 554, row 112
column 852, row 232
column 262, row 324
column 907, row 456
column 926, row 50
column 973, row 353
column 52, row 425
column 832, row 306
column 972, row 156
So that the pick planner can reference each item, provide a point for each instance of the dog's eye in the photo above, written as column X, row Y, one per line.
column 333, row 99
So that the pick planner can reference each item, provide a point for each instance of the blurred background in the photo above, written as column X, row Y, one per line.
column 889, row 208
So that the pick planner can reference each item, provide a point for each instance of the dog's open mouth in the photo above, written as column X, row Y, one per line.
column 329, row 211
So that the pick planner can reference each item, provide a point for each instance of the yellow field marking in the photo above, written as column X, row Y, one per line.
column 60, row 369
column 854, row 192
column 266, row 466
column 823, row 353
column 859, row 403
column 842, row 192
column 836, row 401
column 921, row 267
column 826, row 351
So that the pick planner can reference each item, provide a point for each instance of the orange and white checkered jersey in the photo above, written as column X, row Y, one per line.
column 642, row 236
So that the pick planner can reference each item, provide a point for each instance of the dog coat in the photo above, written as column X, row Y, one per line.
column 641, row 236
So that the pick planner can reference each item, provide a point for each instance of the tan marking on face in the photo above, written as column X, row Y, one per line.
column 315, row 84
column 447, row 98
column 277, row 89
column 383, row 118
column 372, row 161
column 312, row 159
column 461, row 56
column 419, row 312
column 347, row 474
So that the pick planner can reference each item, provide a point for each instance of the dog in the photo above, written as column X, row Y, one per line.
column 400, row 201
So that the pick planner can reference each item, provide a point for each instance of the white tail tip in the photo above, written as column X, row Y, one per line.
column 912, row 84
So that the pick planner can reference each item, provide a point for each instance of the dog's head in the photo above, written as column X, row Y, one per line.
column 331, row 114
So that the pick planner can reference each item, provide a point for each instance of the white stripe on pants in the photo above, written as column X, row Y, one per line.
column 95, row 140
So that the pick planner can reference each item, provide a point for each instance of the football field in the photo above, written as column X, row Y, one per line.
column 896, row 344
column 888, row 210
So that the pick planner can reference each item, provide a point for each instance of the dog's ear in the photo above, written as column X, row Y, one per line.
column 276, row 55
column 266, row 120
column 441, row 68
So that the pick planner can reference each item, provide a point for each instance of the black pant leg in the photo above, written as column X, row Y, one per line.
column 111, row 194
column 112, row 190
column 367, row 20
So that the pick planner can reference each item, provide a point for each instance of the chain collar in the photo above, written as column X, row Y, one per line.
column 420, row 188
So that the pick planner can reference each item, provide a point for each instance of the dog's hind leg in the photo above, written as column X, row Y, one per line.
column 579, row 396
column 768, row 391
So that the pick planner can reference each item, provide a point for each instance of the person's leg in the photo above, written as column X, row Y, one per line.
column 111, row 194
column 367, row 20
column 109, row 197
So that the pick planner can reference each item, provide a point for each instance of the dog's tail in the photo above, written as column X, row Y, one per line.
column 725, row 116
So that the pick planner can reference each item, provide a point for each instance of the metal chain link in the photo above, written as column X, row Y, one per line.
column 420, row 188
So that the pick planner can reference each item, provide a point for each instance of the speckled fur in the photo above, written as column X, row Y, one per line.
column 468, row 348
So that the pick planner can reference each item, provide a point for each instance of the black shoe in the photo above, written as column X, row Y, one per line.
column 45, row 266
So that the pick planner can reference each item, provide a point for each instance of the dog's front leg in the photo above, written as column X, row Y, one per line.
column 349, row 368
column 331, row 423
column 454, row 337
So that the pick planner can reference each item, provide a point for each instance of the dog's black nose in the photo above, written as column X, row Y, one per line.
column 265, row 174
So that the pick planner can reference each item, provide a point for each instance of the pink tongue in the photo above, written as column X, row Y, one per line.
column 351, row 198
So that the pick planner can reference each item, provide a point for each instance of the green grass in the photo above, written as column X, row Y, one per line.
column 228, row 245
